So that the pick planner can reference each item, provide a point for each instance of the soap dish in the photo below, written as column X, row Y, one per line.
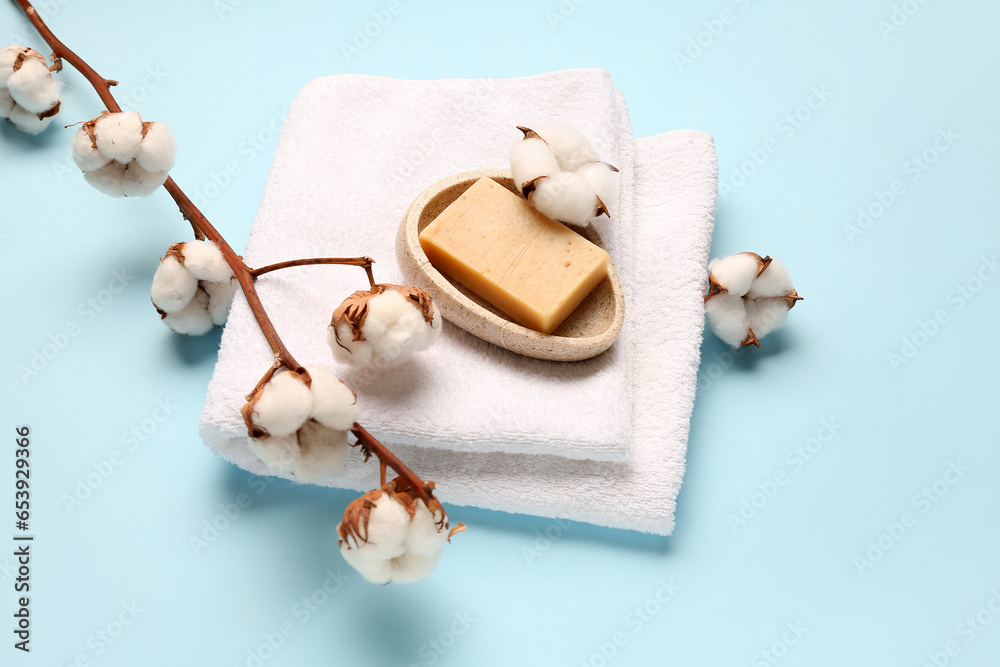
column 588, row 331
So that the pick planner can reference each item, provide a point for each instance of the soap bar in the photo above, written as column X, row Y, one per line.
column 532, row 268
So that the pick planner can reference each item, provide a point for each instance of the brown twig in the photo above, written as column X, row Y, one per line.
column 204, row 229
column 364, row 262
column 388, row 458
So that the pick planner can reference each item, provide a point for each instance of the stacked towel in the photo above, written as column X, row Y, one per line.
column 668, row 205
column 355, row 151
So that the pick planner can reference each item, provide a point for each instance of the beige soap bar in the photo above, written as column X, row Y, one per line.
column 534, row 269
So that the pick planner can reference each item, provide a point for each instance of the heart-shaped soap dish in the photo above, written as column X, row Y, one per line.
column 588, row 331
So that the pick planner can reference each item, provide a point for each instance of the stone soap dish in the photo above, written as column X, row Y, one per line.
column 589, row 330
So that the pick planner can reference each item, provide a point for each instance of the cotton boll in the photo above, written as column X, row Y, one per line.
column 173, row 286
column 603, row 181
column 85, row 155
column 728, row 318
column 192, row 319
column 566, row 197
column 765, row 314
column 385, row 536
column 109, row 179
column 28, row 122
column 205, row 261
column 334, row 405
column 346, row 350
column 137, row 182
column 396, row 329
column 220, row 299
column 774, row 281
column 570, row 147
column 530, row 159
column 119, row 135
column 158, row 148
column 735, row 273
column 6, row 102
column 323, row 452
column 283, row 405
column 33, row 88
column 280, row 455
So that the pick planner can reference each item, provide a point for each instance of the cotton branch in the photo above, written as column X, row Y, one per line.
column 203, row 229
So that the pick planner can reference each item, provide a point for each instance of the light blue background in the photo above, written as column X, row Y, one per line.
column 224, row 77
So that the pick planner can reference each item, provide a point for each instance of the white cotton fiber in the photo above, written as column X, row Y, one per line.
column 565, row 197
column 220, row 299
column 728, row 318
column 396, row 329
column 411, row 568
column 385, row 536
column 603, row 181
column 33, row 88
column 569, row 146
column 28, row 122
column 205, row 261
column 284, row 405
column 173, row 286
column 119, row 135
column 774, row 281
column 278, row 454
column 323, row 452
column 530, row 159
column 735, row 273
column 6, row 102
column 424, row 538
column 137, row 182
column 109, row 179
column 158, row 148
column 192, row 319
column 85, row 155
column 346, row 350
column 765, row 314
column 334, row 404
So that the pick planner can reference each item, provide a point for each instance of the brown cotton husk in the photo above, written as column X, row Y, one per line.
column 89, row 126
column 528, row 187
column 162, row 313
column 751, row 339
column 28, row 54
column 354, row 308
column 601, row 209
column 358, row 512
column 530, row 134
column 176, row 251
column 50, row 112
column 791, row 298
column 247, row 411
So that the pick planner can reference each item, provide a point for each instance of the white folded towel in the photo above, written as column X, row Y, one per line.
column 355, row 151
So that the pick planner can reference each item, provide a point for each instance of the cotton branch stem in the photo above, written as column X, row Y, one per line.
column 204, row 229
column 388, row 458
column 364, row 262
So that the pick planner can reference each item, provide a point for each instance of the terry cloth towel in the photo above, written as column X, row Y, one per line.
column 354, row 152
column 675, row 189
